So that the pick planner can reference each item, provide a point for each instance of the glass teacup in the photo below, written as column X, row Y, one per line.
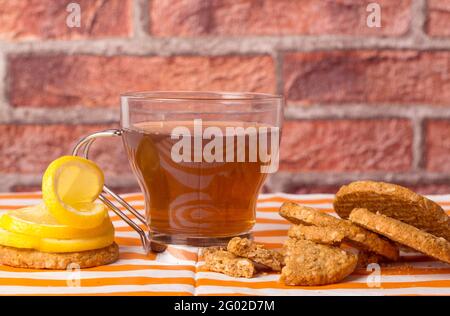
column 200, row 158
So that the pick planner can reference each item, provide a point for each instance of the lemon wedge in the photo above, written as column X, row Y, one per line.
column 37, row 221
column 70, row 186
column 54, row 245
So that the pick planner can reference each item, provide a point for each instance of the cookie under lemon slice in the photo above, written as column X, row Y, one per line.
column 70, row 186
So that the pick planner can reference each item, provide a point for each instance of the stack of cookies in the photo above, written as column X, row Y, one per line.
column 398, row 214
column 333, row 246
column 376, row 218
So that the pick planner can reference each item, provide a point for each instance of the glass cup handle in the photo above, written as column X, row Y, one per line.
column 82, row 148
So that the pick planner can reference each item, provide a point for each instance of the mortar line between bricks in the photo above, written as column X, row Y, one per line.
column 106, row 115
column 140, row 19
column 282, row 181
column 418, row 20
column 278, row 59
column 366, row 111
column 418, row 146
column 9, row 180
column 71, row 116
column 12, row 179
column 285, row 181
column 5, row 110
column 149, row 21
column 217, row 46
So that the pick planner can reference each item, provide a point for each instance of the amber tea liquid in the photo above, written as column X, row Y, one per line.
column 190, row 199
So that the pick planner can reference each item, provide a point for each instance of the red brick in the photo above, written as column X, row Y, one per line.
column 399, row 77
column 46, row 19
column 97, row 80
column 275, row 17
column 346, row 145
column 438, row 22
column 28, row 149
column 438, row 145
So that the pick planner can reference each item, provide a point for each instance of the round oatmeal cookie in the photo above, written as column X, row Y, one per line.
column 308, row 263
column 33, row 259
column 396, row 202
column 436, row 247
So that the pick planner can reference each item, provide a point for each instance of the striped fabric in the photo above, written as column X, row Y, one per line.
column 178, row 271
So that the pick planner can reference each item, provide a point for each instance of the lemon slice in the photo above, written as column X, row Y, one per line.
column 70, row 186
column 16, row 240
column 75, row 245
column 38, row 221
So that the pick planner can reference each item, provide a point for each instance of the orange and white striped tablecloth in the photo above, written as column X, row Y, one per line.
column 178, row 271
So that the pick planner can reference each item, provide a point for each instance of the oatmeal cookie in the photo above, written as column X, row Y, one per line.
column 396, row 202
column 436, row 247
column 308, row 263
column 33, row 259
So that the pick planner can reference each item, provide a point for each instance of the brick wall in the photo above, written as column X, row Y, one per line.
column 361, row 102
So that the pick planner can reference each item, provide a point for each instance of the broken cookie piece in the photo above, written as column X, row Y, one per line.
column 320, row 235
column 308, row 263
column 246, row 248
column 218, row 260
